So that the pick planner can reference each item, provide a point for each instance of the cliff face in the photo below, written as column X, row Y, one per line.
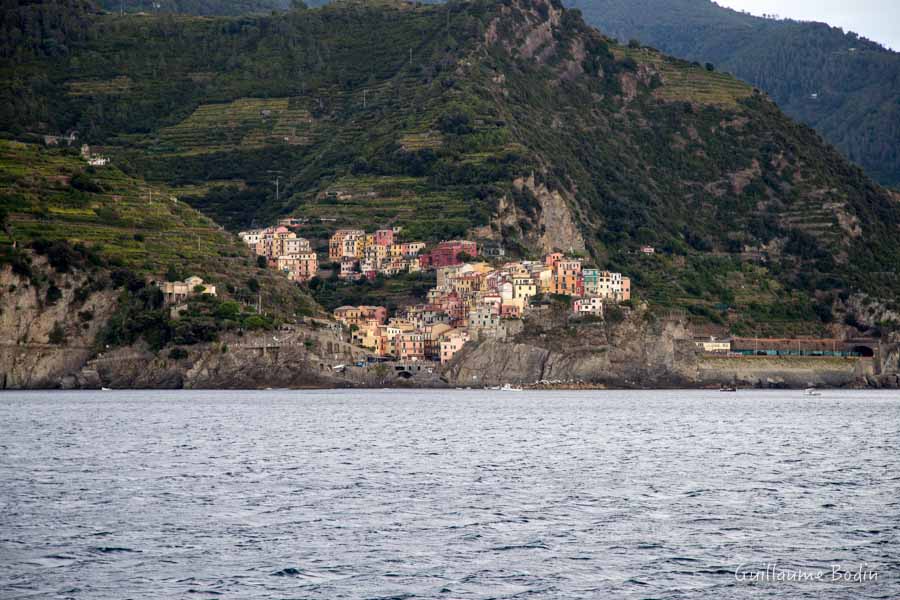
column 638, row 352
column 291, row 359
column 645, row 352
column 44, row 337
column 49, row 324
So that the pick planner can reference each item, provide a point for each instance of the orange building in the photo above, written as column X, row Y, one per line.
column 567, row 278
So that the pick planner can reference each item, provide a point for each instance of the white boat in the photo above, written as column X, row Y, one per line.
column 507, row 387
column 812, row 392
column 105, row 389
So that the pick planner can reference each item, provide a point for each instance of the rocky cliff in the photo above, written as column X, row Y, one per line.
column 50, row 321
column 640, row 351
column 645, row 351
column 302, row 357
column 48, row 325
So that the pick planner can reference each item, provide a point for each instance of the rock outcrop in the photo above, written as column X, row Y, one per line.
column 643, row 351
column 48, row 325
column 639, row 352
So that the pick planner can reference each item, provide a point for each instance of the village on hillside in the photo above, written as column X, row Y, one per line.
column 473, row 299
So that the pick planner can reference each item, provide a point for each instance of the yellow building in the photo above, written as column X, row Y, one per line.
column 346, row 242
column 179, row 291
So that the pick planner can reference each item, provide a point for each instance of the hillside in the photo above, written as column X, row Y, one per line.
column 846, row 87
column 195, row 7
column 513, row 121
column 72, row 233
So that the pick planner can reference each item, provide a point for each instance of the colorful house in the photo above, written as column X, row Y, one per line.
column 448, row 254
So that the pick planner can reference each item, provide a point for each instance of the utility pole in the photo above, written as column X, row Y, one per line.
column 277, row 182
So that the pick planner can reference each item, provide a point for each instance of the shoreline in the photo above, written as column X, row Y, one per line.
column 450, row 388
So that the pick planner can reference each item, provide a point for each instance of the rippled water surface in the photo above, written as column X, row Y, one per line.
column 386, row 494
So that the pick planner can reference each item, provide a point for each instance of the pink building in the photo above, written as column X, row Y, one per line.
column 510, row 311
column 552, row 259
column 453, row 305
column 451, row 344
column 411, row 346
column 384, row 237
column 299, row 267
column 446, row 254
column 373, row 313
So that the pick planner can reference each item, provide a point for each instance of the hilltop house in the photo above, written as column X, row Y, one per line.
column 179, row 291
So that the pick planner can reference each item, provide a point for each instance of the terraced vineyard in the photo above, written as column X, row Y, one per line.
column 683, row 81
column 408, row 202
column 816, row 217
column 138, row 226
column 119, row 85
column 243, row 123
column 51, row 195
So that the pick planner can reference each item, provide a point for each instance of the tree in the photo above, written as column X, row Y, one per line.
column 53, row 294
column 173, row 274
column 614, row 315
column 57, row 335
column 381, row 371
column 254, row 322
column 229, row 310
column 457, row 121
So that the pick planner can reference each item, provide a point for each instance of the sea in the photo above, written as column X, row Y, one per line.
column 460, row 494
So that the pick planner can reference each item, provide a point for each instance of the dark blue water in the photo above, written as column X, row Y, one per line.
column 385, row 494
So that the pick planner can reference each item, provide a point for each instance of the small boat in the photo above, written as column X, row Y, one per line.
column 507, row 387
column 812, row 392
column 105, row 389
column 728, row 388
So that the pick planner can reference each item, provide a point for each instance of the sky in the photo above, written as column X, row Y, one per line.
column 878, row 20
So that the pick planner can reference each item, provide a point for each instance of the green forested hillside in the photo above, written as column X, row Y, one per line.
column 511, row 120
column 195, row 7
column 846, row 87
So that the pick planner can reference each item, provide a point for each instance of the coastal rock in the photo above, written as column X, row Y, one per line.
column 44, row 340
column 642, row 351
column 638, row 352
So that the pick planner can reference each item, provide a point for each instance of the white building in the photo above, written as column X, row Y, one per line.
column 588, row 307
